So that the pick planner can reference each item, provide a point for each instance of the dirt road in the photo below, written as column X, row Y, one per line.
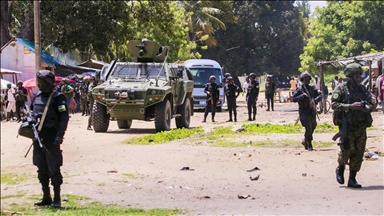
column 292, row 180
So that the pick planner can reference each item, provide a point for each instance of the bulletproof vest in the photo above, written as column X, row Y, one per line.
column 305, row 103
column 52, row 117
column 213, row 88
column 269, row 88
column 20, row 97
column 230, row 90
column 252, row 87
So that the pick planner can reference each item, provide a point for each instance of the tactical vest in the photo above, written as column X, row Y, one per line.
column 356, row 119
column 269, row 88
column 52, row 118
column 214, row 89
column 252, row 88
column 230, row 90
column 305, row 103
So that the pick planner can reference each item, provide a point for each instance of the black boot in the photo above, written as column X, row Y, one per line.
column 205, row 119
column 304, row 143
column 235, row 118
column 352, row 180
column 254, row 117
column 340, row 174
column 310, row 148
column 56, row 200
column 249, row 117
column 47, row 199
column 8, row 116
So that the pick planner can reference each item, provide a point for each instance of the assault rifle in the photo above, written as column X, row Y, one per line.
column 343, row 135
column 214, row 92
column 29, row 121
column 312, row 103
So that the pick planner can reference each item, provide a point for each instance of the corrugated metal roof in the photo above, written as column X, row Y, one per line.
column 31, row 47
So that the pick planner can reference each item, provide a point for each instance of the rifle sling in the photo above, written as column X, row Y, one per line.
column 45, row 113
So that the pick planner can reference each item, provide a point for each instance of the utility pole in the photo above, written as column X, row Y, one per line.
column 36, row 20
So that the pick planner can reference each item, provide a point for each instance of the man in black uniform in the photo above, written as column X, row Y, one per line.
column 212, row 91
column 252, row 95
column 52, row 132
column 21, row 98
column 307, row 96
column 232, row 91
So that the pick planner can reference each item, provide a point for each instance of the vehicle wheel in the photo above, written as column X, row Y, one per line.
column 124, row 124
column 163, row 115
column 185, row 111
column 100, row 118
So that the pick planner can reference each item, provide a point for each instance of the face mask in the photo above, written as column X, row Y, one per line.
column 44, row 86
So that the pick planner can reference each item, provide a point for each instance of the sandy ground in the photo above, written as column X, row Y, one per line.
column 292, row 181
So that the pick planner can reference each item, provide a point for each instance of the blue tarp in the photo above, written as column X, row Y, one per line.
column 31, row 47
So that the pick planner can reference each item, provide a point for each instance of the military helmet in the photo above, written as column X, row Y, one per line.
column 304, row 75
column 212, row 77
column 85, row 78
column 47, row 76
column 227, row 74
column 9, row 84
column 253, row 75
column 352, row 68
column 19, row 82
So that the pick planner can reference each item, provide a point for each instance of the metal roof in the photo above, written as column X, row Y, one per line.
column 344, row 61
column 31, row 47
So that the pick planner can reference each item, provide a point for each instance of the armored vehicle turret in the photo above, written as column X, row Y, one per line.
column 146, row 88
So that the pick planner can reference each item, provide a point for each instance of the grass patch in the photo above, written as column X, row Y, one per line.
column 101, row 184
column 266, row 143
column 13, row 178
column 19, row 194
column 166, row 136
column 78, row 205
column 133, row 176
column 285, row 128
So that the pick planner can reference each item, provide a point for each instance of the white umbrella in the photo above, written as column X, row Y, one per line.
column 4, row 84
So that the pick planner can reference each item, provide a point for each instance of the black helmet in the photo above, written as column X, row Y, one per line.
column 352, row 68
column 47, row 76
column 253, row 75
column 304, row 75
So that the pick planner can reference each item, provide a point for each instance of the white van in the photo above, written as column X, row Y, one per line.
column 201, row 70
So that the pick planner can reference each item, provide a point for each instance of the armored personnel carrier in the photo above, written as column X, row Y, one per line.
column 146, row 88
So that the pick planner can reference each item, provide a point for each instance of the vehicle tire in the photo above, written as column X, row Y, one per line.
column 185, row 111
column 124, row 124
column 100, row 118
column 163, row 116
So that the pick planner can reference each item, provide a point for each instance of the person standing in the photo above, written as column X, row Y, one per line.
column 50, row 159
column 84, row 94
column 293, row 84
column 252, row 95
column 245, row 84
column 10, row 98
column 307, row 97
column 67, row 91
column 270, row 89
column 77, row 97
column 21, row 98
column 380, row 90
column 232, row 91
column 212, row 91
column 352, row 100
column 317, row 82
column 335, row 83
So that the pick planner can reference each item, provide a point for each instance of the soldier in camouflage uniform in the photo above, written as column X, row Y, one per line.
column 348, row 98
column 83, row 96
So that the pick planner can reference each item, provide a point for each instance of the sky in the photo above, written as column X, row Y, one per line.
column 314, row 4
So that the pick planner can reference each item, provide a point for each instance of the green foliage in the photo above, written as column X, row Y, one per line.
column 166, row 136
column 289, row 128
column 266, row 143
column 13, row 178
column 19, row 194
column 343, row 29
column 78, row 205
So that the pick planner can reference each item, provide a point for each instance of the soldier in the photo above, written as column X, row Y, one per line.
column 307, row 96
column 232, row 91
column 357, row 103
column 252, row 95
column 212, row 91
column 83, row 97
column 52, row 133
column 67, row 91
column 270, row 89
column 21, row 98
column 94, row 82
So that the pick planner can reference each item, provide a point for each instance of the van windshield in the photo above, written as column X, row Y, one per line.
column 201, row 76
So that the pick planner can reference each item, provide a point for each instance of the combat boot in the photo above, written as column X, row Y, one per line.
column 310, row 148
column 56, row 200
column 235, row 118
column 304, row 143
column 89, row 127
column 352, row 180
column 249, row 117
column 340, row 174
column 47, row 199
column 205, row 119
column 254, row 117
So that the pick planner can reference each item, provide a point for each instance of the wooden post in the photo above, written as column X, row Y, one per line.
column 322, row 84
column 36, row 20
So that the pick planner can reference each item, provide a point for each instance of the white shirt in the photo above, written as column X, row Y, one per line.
column 378, row 85
column 10, row 95
column 245, row 85
column 317, row 84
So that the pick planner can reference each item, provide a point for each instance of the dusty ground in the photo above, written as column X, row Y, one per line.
column 289, row 183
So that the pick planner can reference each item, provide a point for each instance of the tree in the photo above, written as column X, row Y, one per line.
column 5, row 22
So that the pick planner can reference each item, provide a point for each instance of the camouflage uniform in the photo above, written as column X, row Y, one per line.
column 343, row 97
column 91, row 101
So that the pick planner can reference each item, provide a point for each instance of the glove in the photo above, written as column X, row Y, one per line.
column 58, row 140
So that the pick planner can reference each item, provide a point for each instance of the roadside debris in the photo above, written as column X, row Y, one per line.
column 370, row 155
column 304, row 174
column 186, row 169
column 254, row 169
column 254, row 179
column 112, row 171
column 243, row 197
column 204, row 197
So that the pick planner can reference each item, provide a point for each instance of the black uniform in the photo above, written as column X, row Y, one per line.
column 306, row 113
column 252, row 95
column 20, row 98
column 51, row 135
column 212, row 99
column 270, row 89
column 232, row 91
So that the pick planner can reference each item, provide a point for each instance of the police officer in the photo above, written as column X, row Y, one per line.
column 232, row 91
column 252, row 95
column 93, row 84
column 270, row 89
column 212, row 91
column 52, row 133
column 21, row 98
column 348, row 98
column 307, row 96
